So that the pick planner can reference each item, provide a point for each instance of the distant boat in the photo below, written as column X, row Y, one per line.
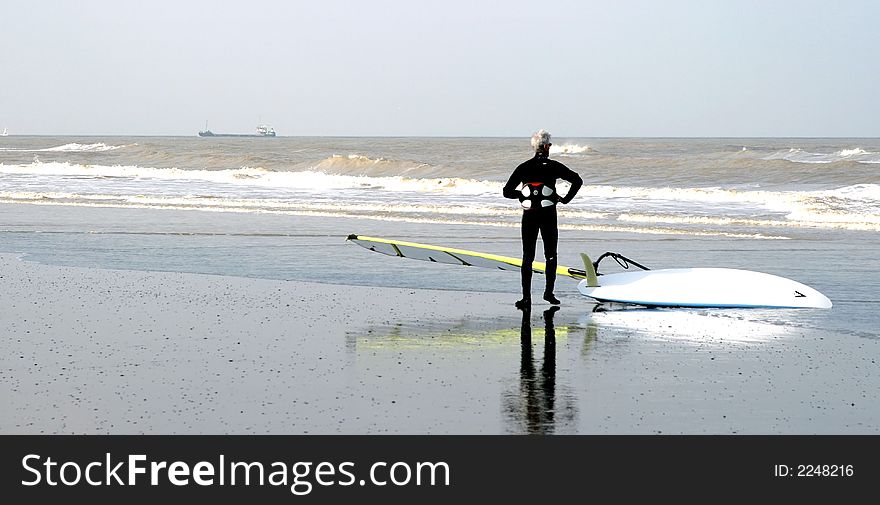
column 262, row 131
column 5, row 134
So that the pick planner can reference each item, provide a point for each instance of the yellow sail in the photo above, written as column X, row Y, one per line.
column 452, row 256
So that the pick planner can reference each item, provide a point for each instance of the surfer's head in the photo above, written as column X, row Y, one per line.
column 541, row 141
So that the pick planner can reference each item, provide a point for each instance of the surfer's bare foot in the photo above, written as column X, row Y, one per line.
column 524, row 304
column 552, row 299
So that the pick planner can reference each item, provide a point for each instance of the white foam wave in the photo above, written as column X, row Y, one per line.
column 853, row 207
column 795, row 219
column 319, row 181
column 570, row 149
column 259, row 177
column 797, row 155
column 68, row 169
column 846, row 153
column 70, row 148
column 867, row 192
column 433, row 215
column 708, row 195
column 328, row 204
column 84, row 148
column 669, row 231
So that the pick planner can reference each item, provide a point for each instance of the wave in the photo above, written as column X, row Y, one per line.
column 356, row 164
column 85, row 148
column 800, row 156
column 260, row 177
column 570, row 149
column 322, row 180
column 67, row 169
column 71, row 148
column 802, row 219
column 778, row 201
column 855, row 207
column 259, row 204
column 433, row 214
column 852, row 207
column 846, row 153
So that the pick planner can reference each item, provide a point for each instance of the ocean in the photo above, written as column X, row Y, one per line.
column 742, row 188
column 280, row 208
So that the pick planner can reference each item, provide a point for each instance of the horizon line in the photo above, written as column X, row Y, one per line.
column 457, row 136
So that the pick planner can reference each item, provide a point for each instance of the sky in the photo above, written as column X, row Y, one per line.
column 670, row 68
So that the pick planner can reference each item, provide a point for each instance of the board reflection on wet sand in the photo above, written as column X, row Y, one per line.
column 548, row 372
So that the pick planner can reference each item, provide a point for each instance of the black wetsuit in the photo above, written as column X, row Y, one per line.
column 540, row 169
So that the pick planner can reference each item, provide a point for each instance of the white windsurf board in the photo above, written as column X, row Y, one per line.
column 703, row 287
column 680, row 287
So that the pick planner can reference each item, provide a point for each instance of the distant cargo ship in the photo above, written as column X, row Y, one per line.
column 262, row 131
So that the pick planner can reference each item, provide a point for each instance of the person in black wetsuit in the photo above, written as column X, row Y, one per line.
column 534, row 184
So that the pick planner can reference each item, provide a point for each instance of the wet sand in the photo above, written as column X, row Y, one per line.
column 124, row 352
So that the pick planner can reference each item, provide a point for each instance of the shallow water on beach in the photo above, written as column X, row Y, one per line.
column 844, row 267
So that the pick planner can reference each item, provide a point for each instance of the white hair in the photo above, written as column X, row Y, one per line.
column 540, row 139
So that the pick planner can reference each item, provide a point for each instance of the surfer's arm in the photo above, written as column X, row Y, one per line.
column 512, row 186
column 572, row 178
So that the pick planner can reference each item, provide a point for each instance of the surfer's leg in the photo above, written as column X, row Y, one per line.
column 550, row 237
column 529, row 244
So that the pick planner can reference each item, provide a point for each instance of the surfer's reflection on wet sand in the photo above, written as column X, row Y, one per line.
column 533, row 410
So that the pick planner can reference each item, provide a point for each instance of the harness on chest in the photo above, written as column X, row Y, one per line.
column 536, row 195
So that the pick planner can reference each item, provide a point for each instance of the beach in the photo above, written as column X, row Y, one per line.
column 93, row 350
column 209, row 297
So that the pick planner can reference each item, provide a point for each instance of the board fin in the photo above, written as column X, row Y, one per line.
column 590, row 272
